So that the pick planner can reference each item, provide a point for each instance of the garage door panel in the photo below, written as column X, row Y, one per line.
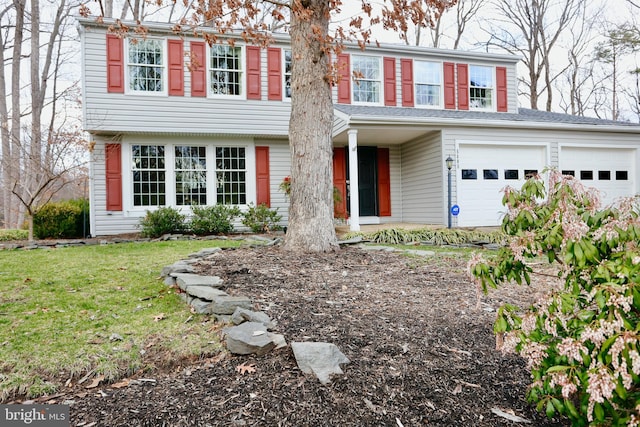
column 484, row 171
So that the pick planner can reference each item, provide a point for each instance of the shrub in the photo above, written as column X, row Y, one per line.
column 65, row 219
column 261, row 219
column 581, row 343
column 216, row 219
column 163, row 220
column 13, row 234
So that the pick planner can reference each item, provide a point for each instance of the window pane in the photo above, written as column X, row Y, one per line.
column 586, row 175
column 480, row 87
column 569, row 172
column 622, row 175
column 146, row 65
column 191, row 175
column 469, row 174
column 490, row 173
column 511, row 174
column 368, row 84
column 287, row 74
column 230, row 175
column 604, row 175
column 225, row 70
column 530, row 173
column 148, row 175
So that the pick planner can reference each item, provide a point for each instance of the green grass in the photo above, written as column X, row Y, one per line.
column 60, row 308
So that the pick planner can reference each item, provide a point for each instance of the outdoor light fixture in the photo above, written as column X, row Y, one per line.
column 449, row 163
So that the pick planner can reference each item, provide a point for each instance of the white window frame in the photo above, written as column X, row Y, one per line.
column 207, row 171
column 165, row 73
column 492, row 88
column 243, row 72
column 170, row 173
column 380, row 81
column 440, row 84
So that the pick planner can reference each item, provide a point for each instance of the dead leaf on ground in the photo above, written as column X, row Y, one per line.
column 121, row 384
column 159, row 317
column 95, row 382
column 244, row 368
column 457, row 390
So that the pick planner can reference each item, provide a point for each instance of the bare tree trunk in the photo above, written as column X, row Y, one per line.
column 311, row 208
column 4, row 133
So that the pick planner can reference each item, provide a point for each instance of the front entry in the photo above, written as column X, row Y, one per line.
column 368, row 180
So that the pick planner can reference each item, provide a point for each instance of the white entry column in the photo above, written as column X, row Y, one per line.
column 354, row 217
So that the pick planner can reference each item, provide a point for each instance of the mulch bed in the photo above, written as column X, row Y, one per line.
column 420, row 343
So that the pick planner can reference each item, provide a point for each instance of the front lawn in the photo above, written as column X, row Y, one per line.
column 96, row 310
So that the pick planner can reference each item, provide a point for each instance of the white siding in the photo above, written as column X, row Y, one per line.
column 422, row 180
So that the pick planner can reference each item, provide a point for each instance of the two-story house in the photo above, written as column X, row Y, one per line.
column 175, row 121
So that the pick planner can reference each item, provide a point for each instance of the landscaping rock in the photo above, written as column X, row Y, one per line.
column 241, row 315
column 200, row 306
column 319, row 358
column 178, row 267
column 227, row 304
column 184, row 280
column 249, row 338
column 352, row 241
column 204, row 252
column 205, row 292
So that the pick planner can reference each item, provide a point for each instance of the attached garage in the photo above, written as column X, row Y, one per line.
column 610, row 170
column 483, row 170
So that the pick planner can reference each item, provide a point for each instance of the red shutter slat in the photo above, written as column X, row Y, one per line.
column 344, row 85
column 449, row 85
column 115, row 64
column 406, row 72
column 501, row 89
column 384, row 182
column 113, row 175
column 340, row 181
column 263, row 182
column 390, row 82
column 274, row 73
column 176, row 67
column 253, row 72
column 198, row 69
column 463, row 86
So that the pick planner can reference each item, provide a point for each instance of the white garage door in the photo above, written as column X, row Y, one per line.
column 484, row 170
column 610, row 170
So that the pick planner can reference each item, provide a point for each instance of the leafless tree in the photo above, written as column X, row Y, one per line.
column 466, row 12
column 531, row 29
column 35, row 156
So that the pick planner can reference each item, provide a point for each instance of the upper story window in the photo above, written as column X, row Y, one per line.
column 367, row 87
column 225, row 70
column 481, row 87
column 428, row 83
column 146, row 65
column 287, row 74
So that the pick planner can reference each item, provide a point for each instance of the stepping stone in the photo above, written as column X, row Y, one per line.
column 249, row 338
column 319, row 358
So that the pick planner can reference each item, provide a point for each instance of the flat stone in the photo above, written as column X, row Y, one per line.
column 352, row 241
column 205, row 292
column 319, row 358
column 184, row 280
column 200, row 306
column 377, row 248
column 204, row 252
column 420, row 252
column 178, row 267
column 227, row 304
column 241, row 315
column 249, row 338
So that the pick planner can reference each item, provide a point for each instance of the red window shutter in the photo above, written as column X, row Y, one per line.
column 274, row 73
column 449, row 85
column 263, row 182
column 253, row 72
column 340, row 181
column 198, row 69
column 115, row 64
column 344, row 85
column 113, row 175
column 463, row 87
column 406, row 75
column 501, row 89
column 384, row 182
column 390, row 82
column 176, row 67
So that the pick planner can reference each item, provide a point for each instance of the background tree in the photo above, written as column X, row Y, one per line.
column 466, row 12
column 310, row 225
column 531, row 29
column 38, row 139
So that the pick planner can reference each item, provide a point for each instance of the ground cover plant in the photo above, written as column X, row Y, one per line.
column 13, row 234
column 582, row 342
column 98, row 310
